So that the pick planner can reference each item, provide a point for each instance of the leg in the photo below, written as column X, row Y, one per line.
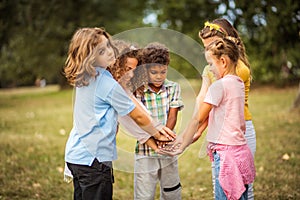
column 170, row 187
column 245, row 194
column 145, row 178
column 92, row 182
column 77, row 189
column 251, row 141
column 219, row 193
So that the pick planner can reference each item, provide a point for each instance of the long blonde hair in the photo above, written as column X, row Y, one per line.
column 222, row 28
column 82, row 53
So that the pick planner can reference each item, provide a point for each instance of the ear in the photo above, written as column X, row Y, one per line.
column 223, row 61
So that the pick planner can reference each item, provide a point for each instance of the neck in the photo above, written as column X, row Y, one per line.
column 231, row 71
column 154, row 88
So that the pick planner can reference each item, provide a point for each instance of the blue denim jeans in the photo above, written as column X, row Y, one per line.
column 92, row 182
column 219, row 193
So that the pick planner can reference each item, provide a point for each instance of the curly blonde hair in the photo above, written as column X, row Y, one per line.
column 82, row 53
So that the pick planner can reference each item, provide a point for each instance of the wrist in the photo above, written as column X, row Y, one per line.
column 156, row 135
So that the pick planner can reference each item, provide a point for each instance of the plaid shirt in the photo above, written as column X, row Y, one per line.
column 158, row 104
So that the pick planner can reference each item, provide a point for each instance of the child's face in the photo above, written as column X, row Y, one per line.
column 105, row 55
column 130, row 65
column 216, row 65
column 157, row 75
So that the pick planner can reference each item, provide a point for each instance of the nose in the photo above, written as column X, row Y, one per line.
column 158, row 76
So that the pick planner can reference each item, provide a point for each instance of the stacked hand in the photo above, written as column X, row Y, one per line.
column 165, row 135
column 172, row 148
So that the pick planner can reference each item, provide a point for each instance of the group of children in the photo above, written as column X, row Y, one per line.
column 117, row 82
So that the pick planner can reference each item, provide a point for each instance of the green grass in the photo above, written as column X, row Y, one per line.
column 35, row 122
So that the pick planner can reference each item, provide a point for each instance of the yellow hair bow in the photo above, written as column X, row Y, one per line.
column 214, row 27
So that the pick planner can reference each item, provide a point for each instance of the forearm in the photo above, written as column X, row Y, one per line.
column 143, row 119
column 199, row 132
column 151, row 143
column 133, row 129
column 171, row 123
column 188, row 133
column 172, row 118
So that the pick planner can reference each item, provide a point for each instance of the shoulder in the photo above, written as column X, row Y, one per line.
column 230, row 79
column 105, row 76
column 105, row 81
column 168, row 83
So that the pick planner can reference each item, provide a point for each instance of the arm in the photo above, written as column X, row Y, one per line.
column 204, row 88
column 199, row 132
column 172, row 118
column 143, row 119
column 152, row 143
column 198, row 122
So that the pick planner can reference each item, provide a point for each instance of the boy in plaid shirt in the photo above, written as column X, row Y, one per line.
column 162, row 99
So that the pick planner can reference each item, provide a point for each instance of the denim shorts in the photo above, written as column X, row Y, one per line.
column 219, row 193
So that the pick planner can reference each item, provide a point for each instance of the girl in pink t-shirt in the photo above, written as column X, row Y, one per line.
column 223, row 113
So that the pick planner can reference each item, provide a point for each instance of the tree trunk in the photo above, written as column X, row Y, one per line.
column 297, row 100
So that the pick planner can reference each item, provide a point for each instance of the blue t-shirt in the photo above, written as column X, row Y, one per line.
column 96, row 109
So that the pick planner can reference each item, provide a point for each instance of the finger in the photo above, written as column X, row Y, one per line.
column 168, row 132
column 165, row 152
column 163, row 138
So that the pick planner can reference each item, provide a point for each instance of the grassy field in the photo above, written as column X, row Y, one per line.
column 35, row 123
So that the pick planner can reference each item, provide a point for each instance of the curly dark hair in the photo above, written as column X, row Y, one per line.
column 126, row 50
column 153, row 54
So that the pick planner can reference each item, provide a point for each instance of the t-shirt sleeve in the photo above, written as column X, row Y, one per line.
column 215, row 93
column 176, row 100
column 110, row 91
column 120, row 101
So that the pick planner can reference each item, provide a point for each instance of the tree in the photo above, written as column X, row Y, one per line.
column 35, row 34
column 270, row 30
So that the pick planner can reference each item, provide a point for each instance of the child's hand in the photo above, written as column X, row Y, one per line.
column 168, row 133
column 161, row 144
column 172, row 148
column 159, row 137
column 170, row 151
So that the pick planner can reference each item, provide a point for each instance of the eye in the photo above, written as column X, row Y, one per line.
column 101, row 51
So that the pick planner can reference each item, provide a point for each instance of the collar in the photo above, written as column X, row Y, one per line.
column 163, row 88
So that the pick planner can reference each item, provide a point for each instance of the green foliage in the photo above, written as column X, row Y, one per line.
column 34, row 35
column 269, row 29
column 271, row 37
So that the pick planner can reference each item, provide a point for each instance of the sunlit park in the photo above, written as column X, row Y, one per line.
column 36, row 102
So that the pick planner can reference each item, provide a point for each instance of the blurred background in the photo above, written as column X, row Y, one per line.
column 34, row 34
column 35, row 120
